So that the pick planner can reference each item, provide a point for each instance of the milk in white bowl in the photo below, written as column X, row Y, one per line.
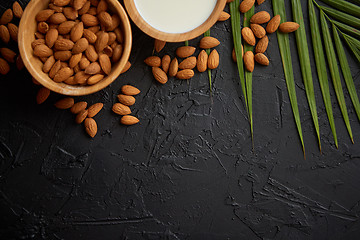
column 175, row 16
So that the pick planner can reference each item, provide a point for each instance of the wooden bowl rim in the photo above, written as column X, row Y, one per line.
column 173, row 37
column 63, row 88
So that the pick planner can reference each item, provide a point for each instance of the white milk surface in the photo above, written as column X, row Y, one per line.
column 175, row 16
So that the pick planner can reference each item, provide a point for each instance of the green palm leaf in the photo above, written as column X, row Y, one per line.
column 303, row 51
column 353, row 31
column 248, row 75
column 353, row 48
column 344, row 6
column 334, row 70
column 321, row 67
column 346, row 72
column 342, row 17
column 284, row 46
column 236, row 30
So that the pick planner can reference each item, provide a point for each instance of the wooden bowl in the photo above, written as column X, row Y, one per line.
column 27, row 29
column 173, row 37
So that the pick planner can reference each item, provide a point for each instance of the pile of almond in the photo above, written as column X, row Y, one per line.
column 83, row 114
column 126, row 99
column 256, row 31
column 78, row 40
column 9, row 31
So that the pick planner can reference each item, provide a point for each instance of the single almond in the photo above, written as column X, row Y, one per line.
column 56, row 8
column 208, row 42
column 121, row 109
column 74, row 60
column 188, row 63
column 234, row 53
column 185, row 74
column 105, row 19
column 105, row 63
column 119, row 35
column 37, row 42
column 159, row 45
column 213, row 60
column 260, row 17
column 6, row 17
column 174, row 67
column 93, row 68
column 51, row 37
column 90, row 127
column 78, row 4
column 112, row 38
column 84, row 63
column 95, row 79
column 130, row 90
column 80, row 46
column 4, row 34
column 85, row 8
column 61, row 3
column 70, row 13
column 90, row 36
column 54, row 69
column 42, row 95
column 42, row 51
column 19, row 63
column 246, row 5
column 57, row 18
column 89, row 20
column 126, row 67
column 165, row 63
column 63, row 74
column 159, row 75
column 261, row 59
column 117, row 52
column 288, row 27
column 202, row 61
column 91, row 53
column 129, row 120
column 262, row 45
column 8, row 54
column 115, row 22
column 48, row 64
column 273, row 24
column 13, row 31
column 126, row 99
column 17, row 9
column 66, row 27
column 248, row 36
column 258, row 30
column 43, row 27
column 185, row 51
column 78, row 107
column 65, row 103
column 249, row 61
column 81, row 77
column 4, row 67
column 259, row 2
column 223, row 16
column 44, row 15
column 62, row 55
column 102, row 6
column 95, row 109
column 81, row 116
column 63, row 45
column 102, row 41
column 153, row 61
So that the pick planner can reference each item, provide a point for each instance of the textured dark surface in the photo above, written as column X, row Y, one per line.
column 187, row 171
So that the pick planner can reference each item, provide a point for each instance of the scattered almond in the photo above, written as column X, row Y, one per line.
column 262, row 45
column 17, row 9
column 246, row 5
column 209, row 42
column 159, row 75
column 42, row 95
column 95, row 109
column 78, row 107
column 273, row 24
column 202, row 61
column 65, row 103
column 13, row 31
column 259, row 2
column 174, row 67
column 6, row 17
column 248, row 36
column 261, row 59
column 288, row 27
column 126, row 100
column 258, row 30
column 4, row 67
column 90, row 127
column 185, row 51
column 81, row 116
column 159, row 45
column 185, row 74
column 121, row 109
column 260, row 17
column 224, row 16
column 130, row 90
column 165, row 63
column 129, row 120
column 8, row 54
column 213, row 60
column 4, row 34
column 188, row 63
column 153, row 61
column 249, row 61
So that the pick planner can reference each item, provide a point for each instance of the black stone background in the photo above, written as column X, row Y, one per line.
column 187, row 171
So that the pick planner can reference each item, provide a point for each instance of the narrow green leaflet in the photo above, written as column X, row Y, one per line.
column 284, row 46
column 353, row 31
column 334, row 70
column 303, row 51
column 321, row 68
column 207, row 34
column 342, row 17
column 354, row 49
column 354, row 41
column 248, row 75
column 236, row 30
column 344, row 6
column 346, row 72
column 186, row 43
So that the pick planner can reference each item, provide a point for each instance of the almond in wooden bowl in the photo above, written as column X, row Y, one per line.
column 28, row 28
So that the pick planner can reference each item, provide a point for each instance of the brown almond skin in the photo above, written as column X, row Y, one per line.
column 81, row 77
column 159, row 45
column 105, row 63
column 13, row 31
column 57, row 18
column 260, row 17
column 202, row 60
column 209, row 42
column 4, row 34
column 126, row 100
column 90, row 127
column 66, row 27
column 185, row 51
column 129, row 120
column 19, row 63
column 213, row 60
column 262, row 45
column 43, row 27
column 48, row 64
column 65, row 103
column 258, row 30
column 62, row 55
column 223, row 16
column 61, row 3
column 188, row 63
column 165, row 63
column 44, row 15
column 261, row 59
column 101, row 42
column 130, row 90
column 91, row 53
column 63, row 74
column 249, row 61
column 121, row 109
column 63, row 45
column 6, row 17
column 174, row 67
column 90, row 36
column 17, row 9
column 93, row 68
column 105, row 19
column 273, row 24
column 84, row 63
column 153, row 61
column 78, row 107
column 80, row 46
column 102, row 6
column 89, row 20
column 54, row 69
column 81, row 116
column 95, row 109
column 159, row 75
column 70, row 13
column 51, row 37
column 42, row 95
column 248, row 36
column 246, row 5
column 95, row 79
column 117, row 52
column 185, row 74
column 74, row 60
column 8, row 54
column 4, row 67
column 259, row 2
column 42, row 51
column 78, row 4
column 288, row 27
column 77, row 32
column 126, row 67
